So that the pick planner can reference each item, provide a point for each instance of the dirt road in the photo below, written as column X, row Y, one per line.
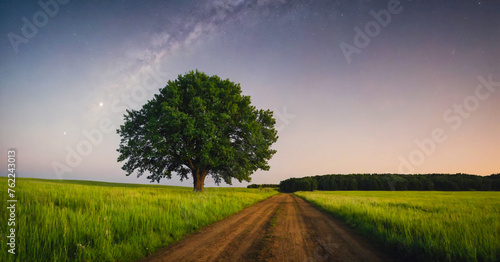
column 281, row 228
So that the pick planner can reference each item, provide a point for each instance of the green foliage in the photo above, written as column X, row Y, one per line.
column 440, row 182
column 422, row 226
column 201, row 125
column 298, row 184
column 94, row 221
column 263, row 186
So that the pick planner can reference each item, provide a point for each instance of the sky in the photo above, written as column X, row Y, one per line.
column 356, row 86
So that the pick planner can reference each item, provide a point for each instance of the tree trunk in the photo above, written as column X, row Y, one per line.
column 199, row 179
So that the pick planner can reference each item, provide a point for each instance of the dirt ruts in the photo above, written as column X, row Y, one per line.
column 281, row 228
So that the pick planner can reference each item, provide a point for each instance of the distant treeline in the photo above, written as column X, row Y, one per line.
column 263, row 185
column 438, row 182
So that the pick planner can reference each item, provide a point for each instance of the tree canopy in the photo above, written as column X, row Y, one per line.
column 440, row 182
column 199, row 125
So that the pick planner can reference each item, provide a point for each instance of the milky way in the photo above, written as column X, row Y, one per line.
column 356, row 86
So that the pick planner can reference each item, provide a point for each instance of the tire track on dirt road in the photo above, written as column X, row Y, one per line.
column 281, row 228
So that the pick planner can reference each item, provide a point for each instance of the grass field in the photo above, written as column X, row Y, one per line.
column 94, row 221
column 425, row 226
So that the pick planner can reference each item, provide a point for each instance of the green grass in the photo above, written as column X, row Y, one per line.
column 426, row 226
column 95, row 221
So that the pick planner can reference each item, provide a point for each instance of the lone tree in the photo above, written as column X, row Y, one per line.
column 197, row 124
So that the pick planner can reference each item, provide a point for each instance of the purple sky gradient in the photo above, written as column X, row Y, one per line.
column 334, row 116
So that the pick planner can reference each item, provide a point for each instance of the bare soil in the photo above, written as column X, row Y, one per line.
column 281, row 228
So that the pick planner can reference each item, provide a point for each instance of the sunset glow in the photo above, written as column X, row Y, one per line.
column 355, row 86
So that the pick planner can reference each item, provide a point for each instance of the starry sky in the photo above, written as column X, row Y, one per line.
column 356, row 86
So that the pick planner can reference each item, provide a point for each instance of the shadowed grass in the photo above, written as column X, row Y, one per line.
column 96, row 221
column 426, row 226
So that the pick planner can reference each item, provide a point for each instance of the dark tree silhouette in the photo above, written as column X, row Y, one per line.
column 439, row 182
